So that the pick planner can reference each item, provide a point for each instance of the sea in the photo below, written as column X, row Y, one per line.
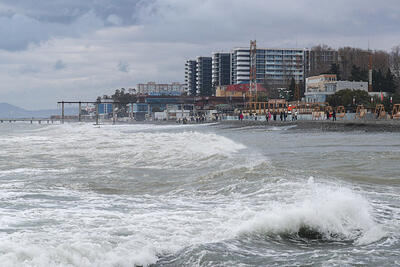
column 78, row 194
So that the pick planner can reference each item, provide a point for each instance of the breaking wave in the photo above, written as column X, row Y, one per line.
column 320, row 213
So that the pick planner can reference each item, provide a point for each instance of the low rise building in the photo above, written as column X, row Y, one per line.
column 237, row 90
column 319, row 87
column 159, row 89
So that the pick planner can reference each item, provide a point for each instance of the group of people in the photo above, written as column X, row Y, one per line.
column 330, row 115
column 273, row 116
column 197, row 119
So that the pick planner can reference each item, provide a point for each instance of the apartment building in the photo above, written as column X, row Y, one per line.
column 221, row 69
column 191, row 77
column 204, row 76
column 274, row 66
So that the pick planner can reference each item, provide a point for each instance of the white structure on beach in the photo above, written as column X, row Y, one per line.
column 319, row 87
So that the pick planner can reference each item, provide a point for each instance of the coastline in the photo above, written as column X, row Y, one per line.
column 321, row 125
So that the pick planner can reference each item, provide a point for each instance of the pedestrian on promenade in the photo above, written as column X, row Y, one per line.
column 334, row 115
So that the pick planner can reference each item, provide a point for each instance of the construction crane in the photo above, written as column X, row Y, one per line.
column 370, row 72
column 253, row 71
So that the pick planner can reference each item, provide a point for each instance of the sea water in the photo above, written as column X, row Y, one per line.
column 197, row 195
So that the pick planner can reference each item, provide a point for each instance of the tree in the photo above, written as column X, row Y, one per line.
column 378, row 80
column 292, row 89
column 345, row 98
column 335, row 70
column 395, row 66
column 123, row 99
column 389, row 83
column 358, row 74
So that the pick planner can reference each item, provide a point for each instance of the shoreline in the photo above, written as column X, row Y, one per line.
column 321, row 125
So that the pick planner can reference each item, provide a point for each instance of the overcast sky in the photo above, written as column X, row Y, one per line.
column 53, row 50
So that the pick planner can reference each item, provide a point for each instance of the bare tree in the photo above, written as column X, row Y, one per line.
column 395, row 65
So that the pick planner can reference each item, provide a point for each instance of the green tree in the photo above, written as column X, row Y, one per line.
column 335, row 70
column 389, row 82
column 292, row 89
column 358, row 74
column 345, row 98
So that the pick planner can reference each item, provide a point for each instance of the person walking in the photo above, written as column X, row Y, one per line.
column 334, row 115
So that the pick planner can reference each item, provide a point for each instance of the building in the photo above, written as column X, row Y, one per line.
column 274, row 67
column 204, row 76
column 319, row 60
column 221, row 69
column 152, row 88
column 191, row 77
column 237, row 90
column 319, row 87
column 240, row 65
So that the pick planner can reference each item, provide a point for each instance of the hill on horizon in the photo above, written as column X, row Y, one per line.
column 8, row 111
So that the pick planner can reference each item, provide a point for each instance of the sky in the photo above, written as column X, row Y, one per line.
column 76, row 50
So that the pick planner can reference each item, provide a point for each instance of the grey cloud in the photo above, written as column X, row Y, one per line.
column 32, row 22
column 59, row 65
column 28, row 69
column 123, row 67
column 18, row 31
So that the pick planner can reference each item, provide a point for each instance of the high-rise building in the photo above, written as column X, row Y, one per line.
column 221, row 69
column 204, row 76
column 275, row 67
column 319, row 60
column 240, row 65
column 191, row 77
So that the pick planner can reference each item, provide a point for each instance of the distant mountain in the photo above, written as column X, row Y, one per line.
column 8, row 111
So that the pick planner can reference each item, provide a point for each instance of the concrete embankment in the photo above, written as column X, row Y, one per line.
column 322, row 125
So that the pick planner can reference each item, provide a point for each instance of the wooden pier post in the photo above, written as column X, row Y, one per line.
column 131, row 111
column 79, row 111
column 62, row 112
column 97, row 113
column 113, row 113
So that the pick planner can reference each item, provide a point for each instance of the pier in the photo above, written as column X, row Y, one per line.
column 39, row 121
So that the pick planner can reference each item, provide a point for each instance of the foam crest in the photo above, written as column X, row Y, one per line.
column 319, row 212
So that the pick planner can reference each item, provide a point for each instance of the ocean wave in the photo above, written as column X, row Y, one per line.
column 323, row 213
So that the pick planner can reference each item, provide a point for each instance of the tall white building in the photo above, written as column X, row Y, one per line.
column 276, row 66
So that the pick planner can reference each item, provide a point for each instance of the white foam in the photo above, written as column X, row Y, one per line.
column 334, row 212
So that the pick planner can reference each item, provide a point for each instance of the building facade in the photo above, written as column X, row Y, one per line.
column 274, row 67
column 319, row 60
column 204, row 76
column 237, row 90
column 191, row 77
column 152, row 88
column 221, row 69
column 319, row 87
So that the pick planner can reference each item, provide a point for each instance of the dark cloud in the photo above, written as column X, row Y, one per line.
column 26, row 22
column 99, row 37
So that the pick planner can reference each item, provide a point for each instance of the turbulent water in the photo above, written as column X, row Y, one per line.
column 203, row 195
